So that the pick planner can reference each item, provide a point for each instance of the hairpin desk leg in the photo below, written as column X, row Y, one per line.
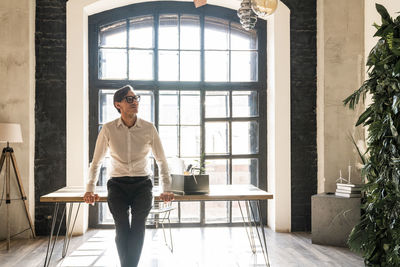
column 49, row 251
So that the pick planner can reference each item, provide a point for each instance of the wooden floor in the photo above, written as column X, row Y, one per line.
column 193, row 247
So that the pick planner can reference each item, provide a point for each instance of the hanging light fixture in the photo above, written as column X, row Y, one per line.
column 264, row 8
column 247, row 17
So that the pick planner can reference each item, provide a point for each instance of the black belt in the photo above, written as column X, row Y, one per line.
column 130, row 179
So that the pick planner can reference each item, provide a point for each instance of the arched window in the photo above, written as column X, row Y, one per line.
column 202, row 81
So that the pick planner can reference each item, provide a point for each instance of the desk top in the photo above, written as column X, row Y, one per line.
column 217, row 192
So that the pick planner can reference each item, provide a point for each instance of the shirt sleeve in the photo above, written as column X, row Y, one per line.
column 98, row 156
column 159, row 155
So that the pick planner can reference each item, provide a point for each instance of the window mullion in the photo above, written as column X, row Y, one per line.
column 202, row 111
column 202, row 48
column 155, row 70
column 230, row 52
column 179, row 46
column 230, row 144
column 127, row 49
column 179, row 123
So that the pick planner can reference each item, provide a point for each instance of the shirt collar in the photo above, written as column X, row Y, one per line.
column 138, row 123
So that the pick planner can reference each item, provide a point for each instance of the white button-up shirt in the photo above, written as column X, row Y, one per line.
column 129, row 150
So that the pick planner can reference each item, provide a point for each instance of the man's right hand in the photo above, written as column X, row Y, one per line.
column 91, row 197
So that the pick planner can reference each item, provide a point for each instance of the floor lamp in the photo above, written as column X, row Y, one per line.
column 11, row 133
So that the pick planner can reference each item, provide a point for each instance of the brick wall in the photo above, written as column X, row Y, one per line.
column 50, row 106
column 303, row 52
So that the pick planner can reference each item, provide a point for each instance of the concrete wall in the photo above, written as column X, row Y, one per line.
column 17, row 89
column 340, row 71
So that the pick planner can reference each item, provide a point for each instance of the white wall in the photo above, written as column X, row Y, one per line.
column 278, row 119
column 77, row 103
column 17, row 95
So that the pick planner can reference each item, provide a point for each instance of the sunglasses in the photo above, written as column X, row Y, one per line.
column 130, row 99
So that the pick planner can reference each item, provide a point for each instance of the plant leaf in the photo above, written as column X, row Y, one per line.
column 365, row 115
column 384, row 14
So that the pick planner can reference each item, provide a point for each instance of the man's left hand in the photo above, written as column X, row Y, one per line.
column 167, row 196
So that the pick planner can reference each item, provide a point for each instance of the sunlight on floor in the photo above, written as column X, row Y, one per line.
column 220, row 247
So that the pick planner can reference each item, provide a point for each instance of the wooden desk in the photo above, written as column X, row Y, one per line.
column 74, row 195
column 217, row 192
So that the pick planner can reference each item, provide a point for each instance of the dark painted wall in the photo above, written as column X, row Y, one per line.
column 50, row 106
column 50, row 110
column 303, row 52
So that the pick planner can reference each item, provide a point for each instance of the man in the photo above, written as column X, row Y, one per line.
column 129, row 140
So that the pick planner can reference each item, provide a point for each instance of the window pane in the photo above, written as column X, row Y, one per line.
column 141, row 32
column 217, row 137
column 217, row 211
column 168, row 32
column 190, row 107
column 195, row 162
column 217, row 104
column 141, row 64
column 242, row 39
column 218, row 171
column 169, row 139
column 106, row 216
column 216, row 33
column 244, row 66
column 173, row 216
column 216, row 66
column 168, row 65
column 112, row 64
column 113, row 35
column 236, row 214
column 244, row 171
column 168, row 106
column 107, row 111
column 190, row 211
column 146, row 105
column 244, row 103
column 190, row 32
column 190, row 65
column 244, row 137
column 190, row 141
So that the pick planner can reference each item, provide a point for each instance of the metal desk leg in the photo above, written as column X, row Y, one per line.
column 166, row 217
column 262, row 228
column 248, row 225
column 53, row 224
column 68, row 233
column 264, row 242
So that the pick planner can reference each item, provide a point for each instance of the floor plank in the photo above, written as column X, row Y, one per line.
column 193, row 247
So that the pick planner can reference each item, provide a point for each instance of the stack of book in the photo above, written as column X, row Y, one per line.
column 348, row 190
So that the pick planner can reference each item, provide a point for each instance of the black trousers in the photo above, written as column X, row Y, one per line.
column 134, row 193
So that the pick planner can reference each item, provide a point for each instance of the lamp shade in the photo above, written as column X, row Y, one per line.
column 264, row 8
column 10, row 132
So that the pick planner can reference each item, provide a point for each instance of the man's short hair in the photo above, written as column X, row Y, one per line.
column 121, row 93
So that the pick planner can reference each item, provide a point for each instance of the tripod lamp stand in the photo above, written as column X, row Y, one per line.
column 11, row 133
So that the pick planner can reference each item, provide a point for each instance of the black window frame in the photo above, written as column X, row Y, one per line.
column 157, row 8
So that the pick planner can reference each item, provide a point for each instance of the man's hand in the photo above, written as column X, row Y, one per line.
column 167, row 196
column 91, row 197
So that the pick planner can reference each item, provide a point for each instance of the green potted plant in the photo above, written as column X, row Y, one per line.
column 377, row 236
